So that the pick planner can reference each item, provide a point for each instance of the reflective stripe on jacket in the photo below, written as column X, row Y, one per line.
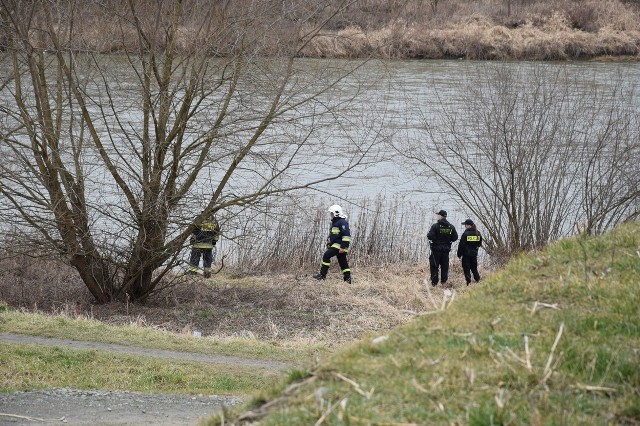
column 339, row 234
column 470, row 242
column 441, row 235
column 206, row 235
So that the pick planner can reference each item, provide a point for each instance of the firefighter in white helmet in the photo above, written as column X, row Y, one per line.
column 337, row 244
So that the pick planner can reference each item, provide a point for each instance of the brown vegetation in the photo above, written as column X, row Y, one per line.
column 385, row 231
column 480, row 29
column 283, row 306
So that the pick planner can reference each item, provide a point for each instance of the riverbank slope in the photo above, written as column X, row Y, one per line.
column 553, row 338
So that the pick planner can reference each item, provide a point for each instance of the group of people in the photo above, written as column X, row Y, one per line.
column 441, row 235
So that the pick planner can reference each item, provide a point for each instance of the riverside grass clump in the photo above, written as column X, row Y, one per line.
column 553, row 338
column 410, row 29
column 488, row 30
column 295, row 243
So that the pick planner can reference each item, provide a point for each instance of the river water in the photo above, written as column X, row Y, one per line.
column 395, row 99
column 414, row 90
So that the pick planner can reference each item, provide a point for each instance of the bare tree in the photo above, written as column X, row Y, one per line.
column 530, row 155
column 608, row 151
column 108, row 160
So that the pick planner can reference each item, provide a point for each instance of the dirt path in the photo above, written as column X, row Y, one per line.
column 97, row 408
column 158, row 353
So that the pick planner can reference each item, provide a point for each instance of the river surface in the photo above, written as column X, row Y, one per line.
column 395, row 100
column 415, row 89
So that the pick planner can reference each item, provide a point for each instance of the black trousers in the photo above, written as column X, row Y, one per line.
column 439, row 260
column 469, row 266
column 207, row 257
column 342, row 261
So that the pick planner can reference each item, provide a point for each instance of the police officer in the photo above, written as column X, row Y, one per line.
column 203, row 240
column 337, row 244
column 470, row 242
column 440, row 236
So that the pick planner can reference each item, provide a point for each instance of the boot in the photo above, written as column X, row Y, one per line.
column 322, row 274
column 207, row 273
column 347, row 278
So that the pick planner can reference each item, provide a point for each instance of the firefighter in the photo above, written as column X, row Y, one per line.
column 440, row 236
column 470, row 242
column 203, row 240
column 337, row 245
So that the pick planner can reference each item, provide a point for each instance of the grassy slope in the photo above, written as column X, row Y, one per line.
column 490, row 358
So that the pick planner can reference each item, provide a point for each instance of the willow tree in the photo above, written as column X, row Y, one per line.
column 127, row 121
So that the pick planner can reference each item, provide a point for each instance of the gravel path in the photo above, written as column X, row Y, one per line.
column 75, row 407
column 98, row 408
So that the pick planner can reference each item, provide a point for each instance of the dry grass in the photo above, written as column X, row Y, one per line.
column 482, row 29
column 539, row 343
column 385, row 231
column 282, row 307
column 550, row 35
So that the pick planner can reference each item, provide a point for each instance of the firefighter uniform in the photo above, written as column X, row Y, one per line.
column 203, row 240
column 337, row 245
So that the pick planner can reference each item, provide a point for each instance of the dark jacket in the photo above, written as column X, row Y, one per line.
column 441, row 235
column 339, row 234
column 470, row 242
column 206, row 235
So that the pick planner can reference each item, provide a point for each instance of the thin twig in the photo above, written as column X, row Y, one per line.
column 547, row 369
column 537, row 304
column 431, row 299
column 591, row 388
column 31, row 419
column 356, row 386
column 527, row 354
column 330, row 408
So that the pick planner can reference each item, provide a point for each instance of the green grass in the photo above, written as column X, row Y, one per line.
column 64, row 327
column 27, row 367
column 490, row 358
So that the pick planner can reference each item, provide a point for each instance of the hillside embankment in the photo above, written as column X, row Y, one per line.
column 553, row 338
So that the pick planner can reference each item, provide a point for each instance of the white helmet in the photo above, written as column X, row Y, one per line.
column 336, row 210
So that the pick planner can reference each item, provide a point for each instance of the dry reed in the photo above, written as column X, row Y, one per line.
column 483, row 29
column 271, row 306
column 384, row 232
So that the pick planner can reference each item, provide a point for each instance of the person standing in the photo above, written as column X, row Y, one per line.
column 470, row 242
column 440, row 235
column 203, row 240
column 337, row 245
